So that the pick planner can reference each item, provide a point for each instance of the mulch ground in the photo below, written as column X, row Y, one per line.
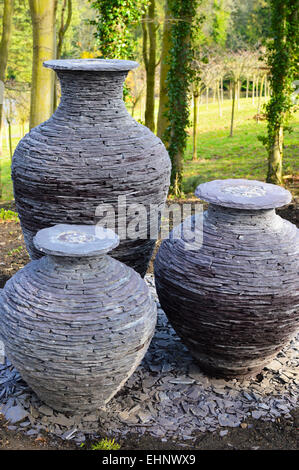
column 282, row 434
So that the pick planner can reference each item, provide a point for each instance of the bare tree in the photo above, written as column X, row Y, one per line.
column 63, row 27
column 4, row 46
column 43, row 13
column 235, row 65
column 23, row 109
column 163, row 123
column 149, row 29
column 136, row 83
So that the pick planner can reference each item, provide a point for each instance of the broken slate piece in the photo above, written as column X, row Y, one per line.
column 69, row 434
column 182, row 381
column 2, row 353
column 46, row 410
column 257, row 414
column 15, row 414
column 228, row 420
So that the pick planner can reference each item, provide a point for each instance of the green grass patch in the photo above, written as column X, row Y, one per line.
column 15, row 250
column 241, row 156
column 6, row 183
column 106, row 444
column 5, row 162
column 219, row 156
column 6, row 214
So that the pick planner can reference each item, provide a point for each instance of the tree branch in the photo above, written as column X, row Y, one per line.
column 64, row 27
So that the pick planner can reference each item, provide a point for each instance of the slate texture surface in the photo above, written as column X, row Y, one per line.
column 90, row 152
column 76, row 328
column 232, row 294
column 168, row 397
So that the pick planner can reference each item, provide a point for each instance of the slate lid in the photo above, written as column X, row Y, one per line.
column 75, row 240
column 243, row 194
column 91, row 65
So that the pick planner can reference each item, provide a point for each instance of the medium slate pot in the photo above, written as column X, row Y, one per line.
column 88, row 153
column 76, row 323
column 228, row 278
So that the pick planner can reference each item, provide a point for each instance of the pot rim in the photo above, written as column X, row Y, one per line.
column 91, row 65
column 76, row 240
column 243, row 194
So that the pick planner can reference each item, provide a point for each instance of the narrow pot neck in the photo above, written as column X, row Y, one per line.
column 78, row 265
column 91, row 92
column 231, row 217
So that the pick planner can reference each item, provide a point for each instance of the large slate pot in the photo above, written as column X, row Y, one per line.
column 76, row 323
column 89, row 152
column 232, row 294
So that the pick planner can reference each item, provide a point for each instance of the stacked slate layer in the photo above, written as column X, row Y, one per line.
column 76, row 323
column 90, row 152
column 232, row 294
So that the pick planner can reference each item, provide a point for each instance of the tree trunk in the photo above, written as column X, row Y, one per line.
column 207, row 97
column 234, row 91
column 134, row 105
column 149, row 57
column 179, row 79
column 195, row 127
column 42, row 84
column 275, row 156
column 238, row 90
column 219, row 101
column 61, row 33
column 163, row 122
column 142, row 109
column 260, row 98
column 221, row 85
column 257, row 87
column 247, row 87
column 9, row 138
column 230, row 90
column 177, row 164
column 253, row 89
column 268, row 89
column 4, row 46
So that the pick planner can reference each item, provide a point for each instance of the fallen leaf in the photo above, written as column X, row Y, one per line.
column 40, row 439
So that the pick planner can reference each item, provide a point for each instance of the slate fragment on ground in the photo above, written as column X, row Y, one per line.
column 167, row 397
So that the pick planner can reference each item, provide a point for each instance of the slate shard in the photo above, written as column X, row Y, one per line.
column 90, row 152
column 76, row 323
column 228, row 278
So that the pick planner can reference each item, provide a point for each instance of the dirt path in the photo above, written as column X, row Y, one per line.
column 281, row 435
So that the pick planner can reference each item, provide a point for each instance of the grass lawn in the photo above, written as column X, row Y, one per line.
column 219, row 156
column 5, row 162
column 241, row 156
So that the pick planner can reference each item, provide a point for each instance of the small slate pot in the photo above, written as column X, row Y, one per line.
column 228, row 278
column 76, row 323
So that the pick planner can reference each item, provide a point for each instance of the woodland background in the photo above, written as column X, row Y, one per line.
column 205, row 83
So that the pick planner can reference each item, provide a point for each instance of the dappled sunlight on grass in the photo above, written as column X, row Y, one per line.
column 5, row 162
column 241, row 156
column 219, row 156
column 6, row 183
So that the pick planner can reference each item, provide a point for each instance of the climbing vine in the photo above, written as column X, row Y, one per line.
column 114, row 32
column 282, row 60
column 179, row 79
